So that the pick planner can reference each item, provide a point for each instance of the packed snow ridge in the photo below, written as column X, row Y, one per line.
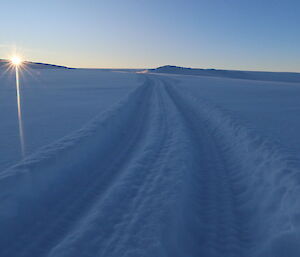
column 162, row 172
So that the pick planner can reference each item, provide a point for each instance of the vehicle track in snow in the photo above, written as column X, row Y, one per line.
column 208, row 193
column 165, row 186
column 210, row 227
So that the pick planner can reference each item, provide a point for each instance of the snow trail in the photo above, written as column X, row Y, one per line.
column 160, row 174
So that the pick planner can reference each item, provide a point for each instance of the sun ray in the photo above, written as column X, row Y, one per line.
column 16, row 63
column 20, row 119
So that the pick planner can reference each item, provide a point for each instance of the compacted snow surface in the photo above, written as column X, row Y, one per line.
column 125, row 164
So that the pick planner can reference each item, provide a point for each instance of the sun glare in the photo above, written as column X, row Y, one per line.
column 16, row 60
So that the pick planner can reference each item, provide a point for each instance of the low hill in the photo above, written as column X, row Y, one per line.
column 35, row 65
column 253, row 75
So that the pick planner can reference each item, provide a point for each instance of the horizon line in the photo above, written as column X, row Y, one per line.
column 158, row 66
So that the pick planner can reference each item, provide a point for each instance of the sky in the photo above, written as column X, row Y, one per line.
column 222, row 34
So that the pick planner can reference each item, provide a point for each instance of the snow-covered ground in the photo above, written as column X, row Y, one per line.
column 125, row 164
column 54, row 103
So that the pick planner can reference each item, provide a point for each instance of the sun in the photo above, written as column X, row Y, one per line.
column 16, row 60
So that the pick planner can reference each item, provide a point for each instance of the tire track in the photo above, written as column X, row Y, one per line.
column 210, row 196
column 146, row 201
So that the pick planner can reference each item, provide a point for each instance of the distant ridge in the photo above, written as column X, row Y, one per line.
column 235, row 74
column 36, row 65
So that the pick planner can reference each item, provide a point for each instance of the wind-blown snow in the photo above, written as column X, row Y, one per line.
column 177, row 166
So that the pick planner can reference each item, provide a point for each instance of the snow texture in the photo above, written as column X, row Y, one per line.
column 172, row 166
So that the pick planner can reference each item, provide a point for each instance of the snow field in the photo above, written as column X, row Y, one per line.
column 163, row 172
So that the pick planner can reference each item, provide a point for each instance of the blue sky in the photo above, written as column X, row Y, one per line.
column 226, row 34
